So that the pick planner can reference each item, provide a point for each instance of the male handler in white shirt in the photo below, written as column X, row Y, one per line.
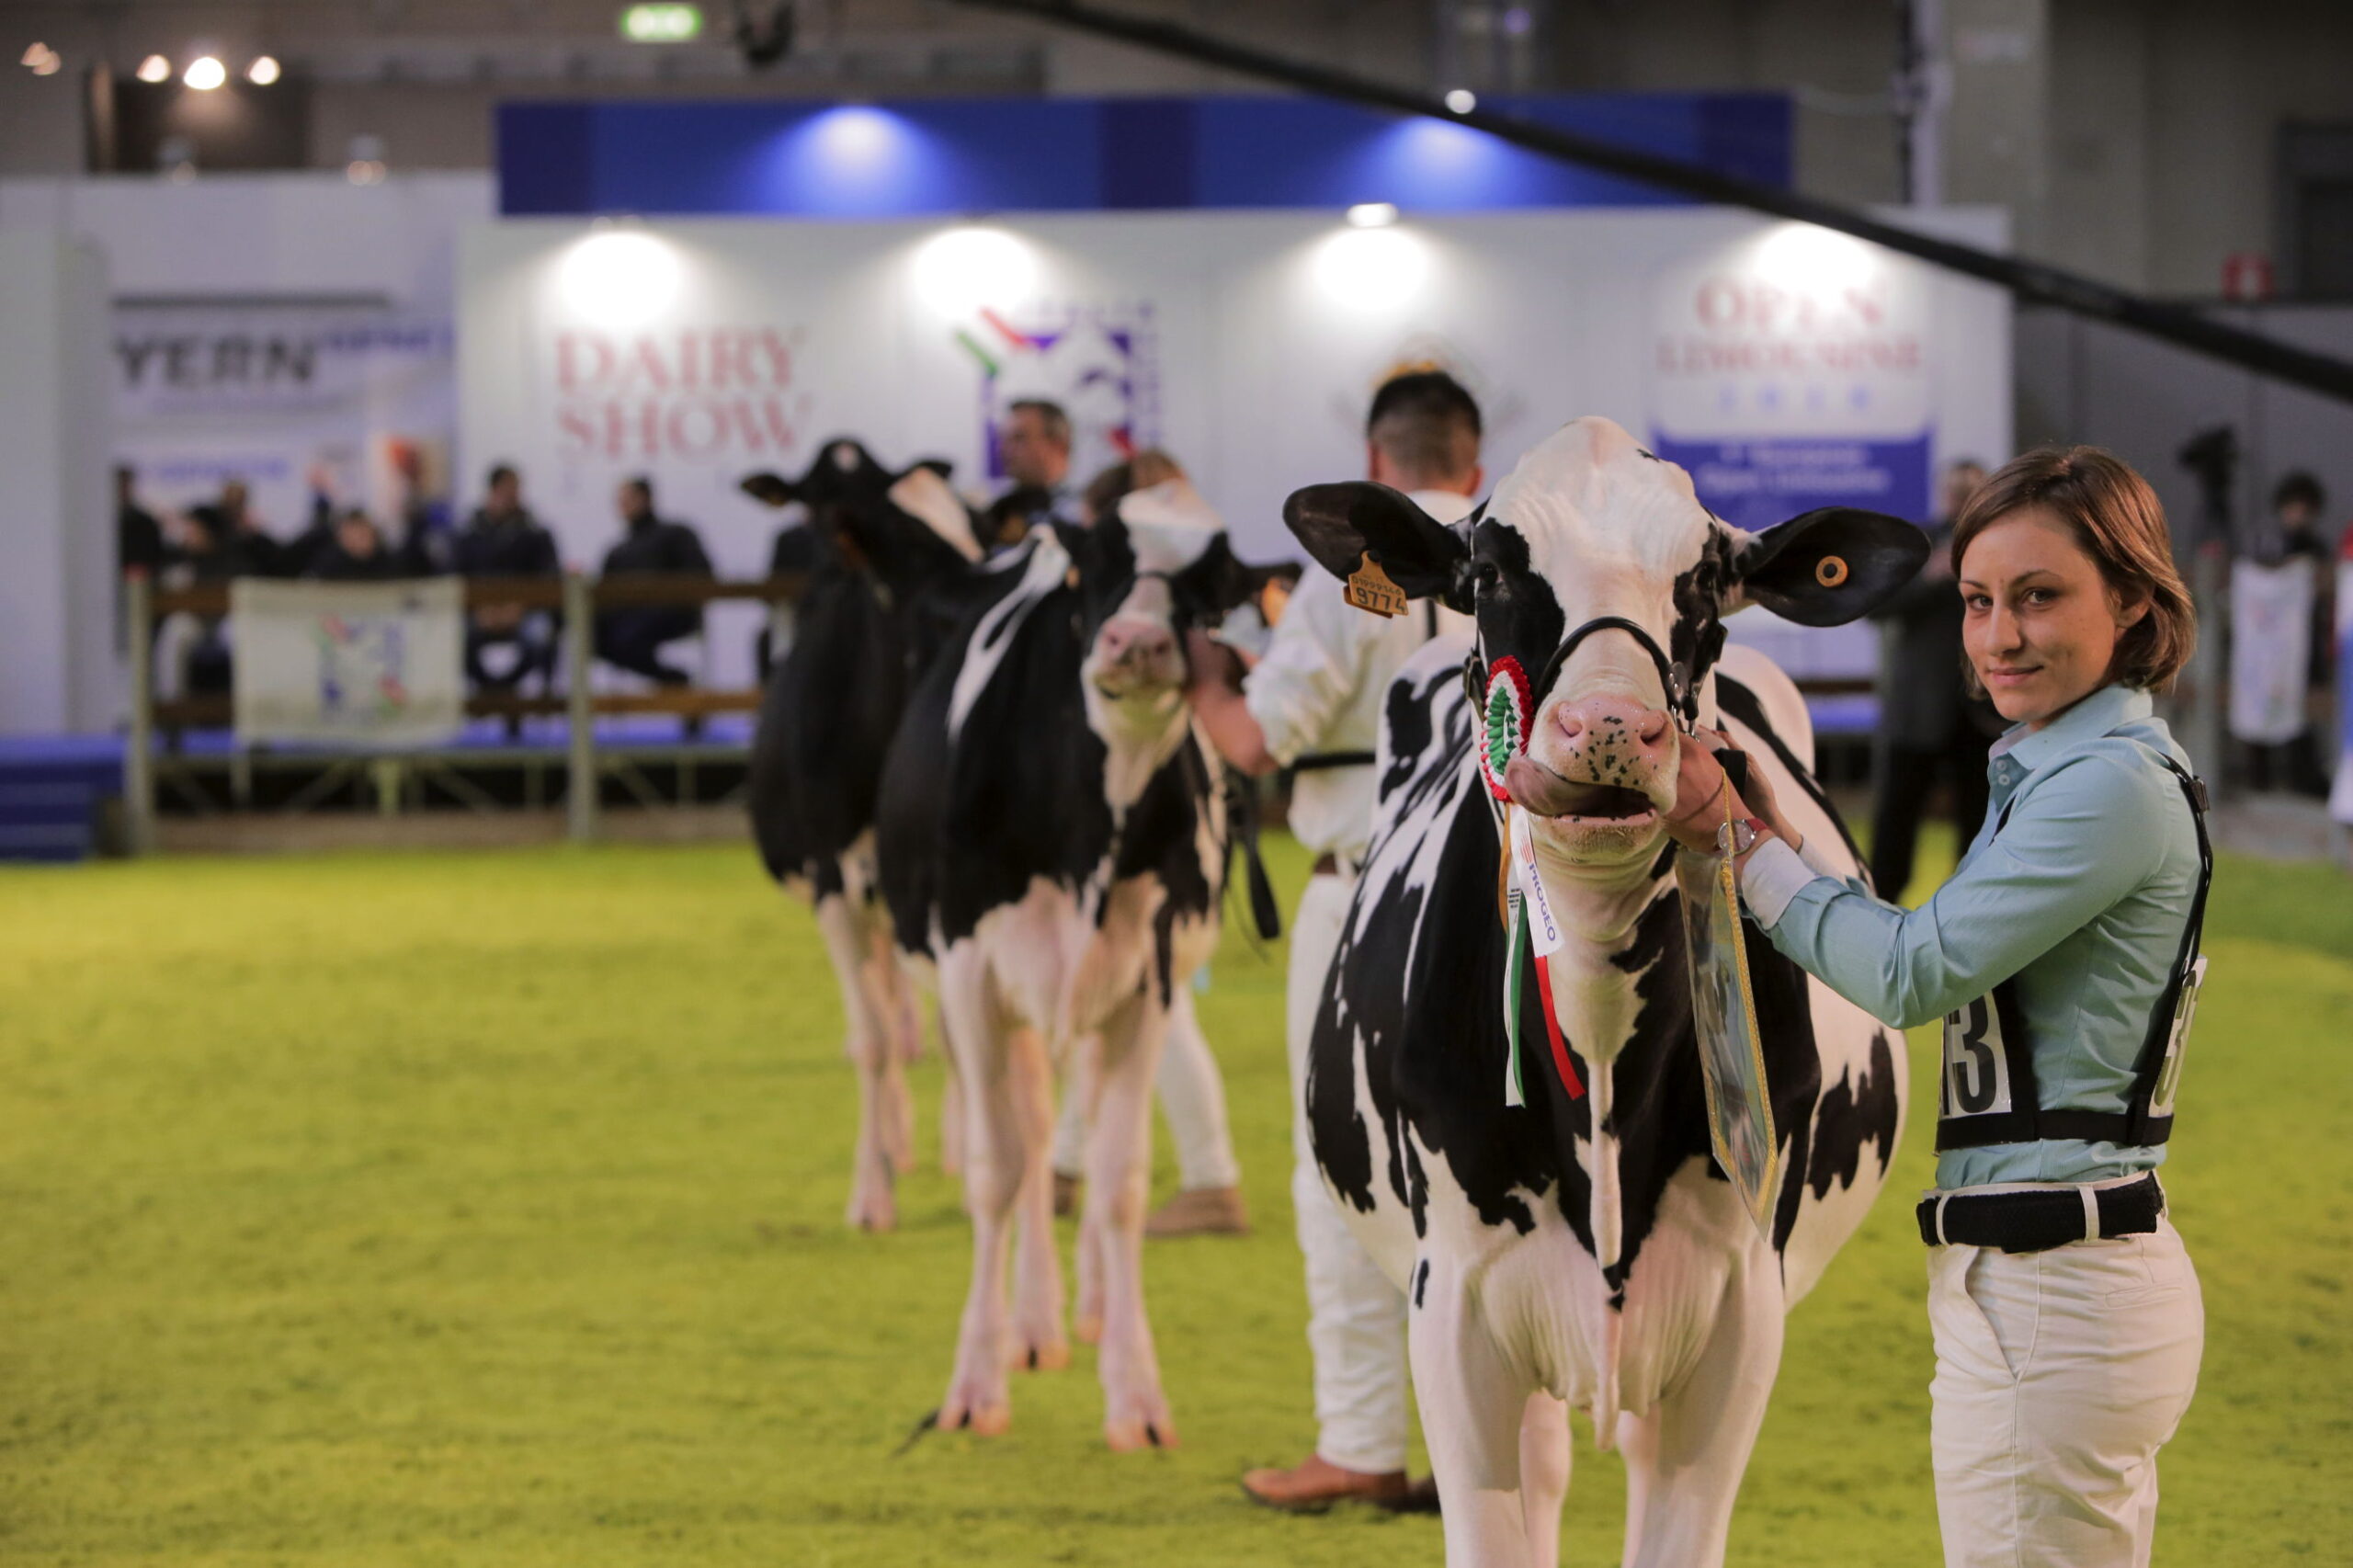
column 1313, row 703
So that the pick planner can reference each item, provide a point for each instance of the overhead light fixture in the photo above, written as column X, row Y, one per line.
column 663, row 22
column 262, row 72
column 1461, row 101
column 41, row 61
column 204, row 73
column 1372, row 214
column 155, row 69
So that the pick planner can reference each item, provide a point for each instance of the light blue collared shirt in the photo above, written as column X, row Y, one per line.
column 2083, row 898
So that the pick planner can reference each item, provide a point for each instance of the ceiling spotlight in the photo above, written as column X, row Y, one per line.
column 155, row 69
column 204, row 73
column 262, row 72
column 1372, row 214
column 1462, row 100
column 41, row 59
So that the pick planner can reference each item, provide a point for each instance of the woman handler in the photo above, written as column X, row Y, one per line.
column 2062, row 957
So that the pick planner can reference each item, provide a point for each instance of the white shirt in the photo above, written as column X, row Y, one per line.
column 1322, row 686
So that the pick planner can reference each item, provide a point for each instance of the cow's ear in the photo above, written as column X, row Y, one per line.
column 1341, row 525
column 773, row 489
column 1828, row 567
column 1219, row 580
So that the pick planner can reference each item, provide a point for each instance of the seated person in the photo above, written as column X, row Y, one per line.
column 631, row 637
column 355, row 552
column 503, row 540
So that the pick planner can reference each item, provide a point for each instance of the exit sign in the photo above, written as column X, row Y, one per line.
column 668, row 23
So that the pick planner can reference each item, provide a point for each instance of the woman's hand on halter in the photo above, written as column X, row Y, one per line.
column 1701, row 790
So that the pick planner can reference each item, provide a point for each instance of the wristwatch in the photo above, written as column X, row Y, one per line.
column 1737, row 838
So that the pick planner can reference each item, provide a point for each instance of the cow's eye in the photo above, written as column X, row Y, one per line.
column 1486, row 577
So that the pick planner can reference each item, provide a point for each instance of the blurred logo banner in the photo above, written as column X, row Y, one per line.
column 1101, row 363
column 365, row 666
column 1794, row 370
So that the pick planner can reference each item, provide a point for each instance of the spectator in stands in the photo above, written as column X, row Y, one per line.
column 138, row 535
column 2278, row 643
column 1033, row 448
column 306, row 549
column 425, row 545
column 1930, row 728
column 356, row 552
column 632, row 637
column 506, row 642
column 236, row 544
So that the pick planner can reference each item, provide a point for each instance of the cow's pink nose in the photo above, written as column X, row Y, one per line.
column 1136, row 641
column 1614, row 722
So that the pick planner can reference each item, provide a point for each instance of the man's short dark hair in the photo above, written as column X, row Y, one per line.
column 2301, row 486
column 1050, row 416
column 1426, row 423
column 499, row 473
column 643, row 485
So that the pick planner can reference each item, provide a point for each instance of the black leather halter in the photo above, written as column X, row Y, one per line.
column 1674, row 678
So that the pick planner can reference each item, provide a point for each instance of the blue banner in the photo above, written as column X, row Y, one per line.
column 1754, row 484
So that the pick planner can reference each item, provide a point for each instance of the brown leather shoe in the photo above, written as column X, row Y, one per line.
column 1200, row 1211
column 1066, row 1196
column 1317, row 1483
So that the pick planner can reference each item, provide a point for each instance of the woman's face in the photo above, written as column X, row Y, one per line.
column 2039, row 621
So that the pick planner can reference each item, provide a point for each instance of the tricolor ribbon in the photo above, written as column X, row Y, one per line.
column 1534, row 934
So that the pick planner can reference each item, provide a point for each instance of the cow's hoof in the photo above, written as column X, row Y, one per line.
column 1048, row 1356
column 1136, row 1436
column 871, row 1213
column 993, row 1419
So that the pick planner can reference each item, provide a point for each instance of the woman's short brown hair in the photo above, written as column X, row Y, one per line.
column 2120, row 523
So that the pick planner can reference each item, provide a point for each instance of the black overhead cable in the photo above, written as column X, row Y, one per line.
column 2029, row 280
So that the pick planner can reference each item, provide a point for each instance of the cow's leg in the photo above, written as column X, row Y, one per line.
column 984, row 1041
column 1544, row 1450
column 894, row 1004
column 873, row 1053
column 1474, row 1411
column 1082, row 1092
column 953, row 1120
column 1039, row 1343
column 1685, row 1460
column 1118, row 1170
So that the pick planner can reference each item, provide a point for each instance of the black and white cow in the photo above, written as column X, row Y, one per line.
column 1053, row 835
column 894, row 560
column 1585, row 1250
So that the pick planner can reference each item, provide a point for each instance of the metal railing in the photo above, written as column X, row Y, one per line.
column 576, row 597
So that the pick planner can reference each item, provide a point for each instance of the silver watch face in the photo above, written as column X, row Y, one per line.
column 1736, row 838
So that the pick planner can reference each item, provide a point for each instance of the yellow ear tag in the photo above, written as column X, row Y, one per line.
column 1370, row 588
column 1070, row 578
column 1830, row 571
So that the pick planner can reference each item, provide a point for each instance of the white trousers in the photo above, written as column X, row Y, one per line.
column 1192, row 1095
column 1355, row 1318
column 2059, row 1376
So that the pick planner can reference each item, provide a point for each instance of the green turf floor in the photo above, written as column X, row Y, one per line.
column 485, row 1208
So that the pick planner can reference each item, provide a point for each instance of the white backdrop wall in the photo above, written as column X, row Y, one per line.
column 1788, row 362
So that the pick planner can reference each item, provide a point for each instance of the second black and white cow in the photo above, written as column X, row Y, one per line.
column 1053, row 835
column 1584, row 1250
column 894, row 555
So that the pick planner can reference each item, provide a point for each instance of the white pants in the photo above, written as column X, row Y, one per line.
column 1192, row 1095
column 1355, row 1318
column 2059, row 1376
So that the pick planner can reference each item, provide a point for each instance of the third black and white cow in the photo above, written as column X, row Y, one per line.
column 1054, row 834
column 895, row 553
column 1584, row 1248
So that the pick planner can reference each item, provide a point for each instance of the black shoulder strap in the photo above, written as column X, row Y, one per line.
column 2138, row 1125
